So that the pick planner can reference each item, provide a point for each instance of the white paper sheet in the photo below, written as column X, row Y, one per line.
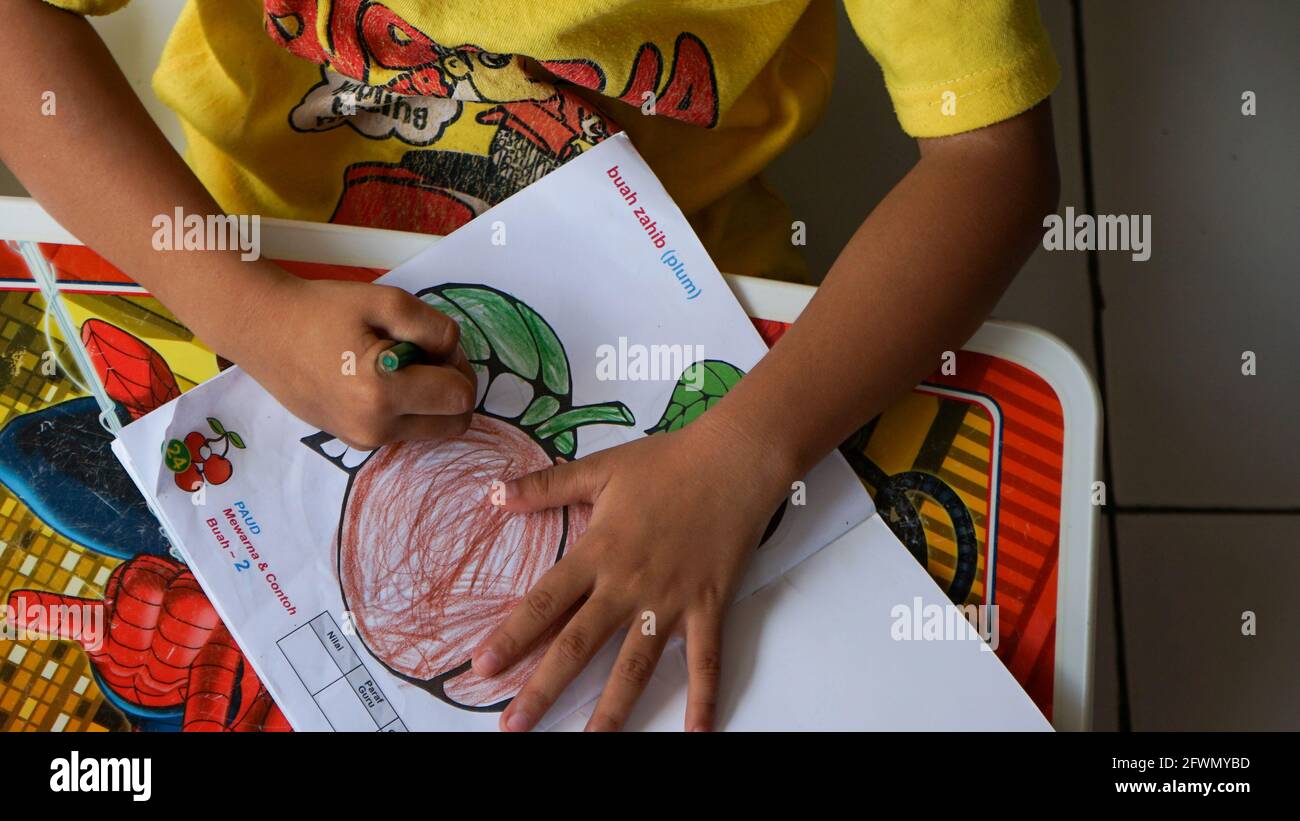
column 817, row 650
column 600, row 253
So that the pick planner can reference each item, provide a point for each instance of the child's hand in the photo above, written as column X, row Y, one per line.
column 675, row 520
column 314, row 346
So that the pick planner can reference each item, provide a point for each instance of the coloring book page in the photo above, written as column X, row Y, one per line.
column 358, row 582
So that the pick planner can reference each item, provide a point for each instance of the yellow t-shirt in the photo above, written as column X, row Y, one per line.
column 420, row 114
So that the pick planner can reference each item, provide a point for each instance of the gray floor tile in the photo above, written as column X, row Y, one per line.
column 1186, row 581
column 1165, row 82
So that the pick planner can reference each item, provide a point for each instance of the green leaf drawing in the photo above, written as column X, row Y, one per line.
column 565, row 443
column 216, row 426
column 615, row 413
column 555, row 365
column 500, row 335
column 541, row 409
column 472, row 341
column 495, row 325
column 699, row 388
column 236, row 440
column 504, row 328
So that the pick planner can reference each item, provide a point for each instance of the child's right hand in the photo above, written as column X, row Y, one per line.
column 314, row 346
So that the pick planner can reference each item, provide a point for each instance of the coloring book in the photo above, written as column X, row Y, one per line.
column 357, row 582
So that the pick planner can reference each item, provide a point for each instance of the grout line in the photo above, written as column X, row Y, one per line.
column 1208, row 510
column 1098, row 306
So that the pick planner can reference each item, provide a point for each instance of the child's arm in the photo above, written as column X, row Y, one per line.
column 102, row 168
column 918, row 278
column 677, row 516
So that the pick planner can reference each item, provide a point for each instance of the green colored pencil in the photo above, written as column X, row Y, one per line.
column 399, row 356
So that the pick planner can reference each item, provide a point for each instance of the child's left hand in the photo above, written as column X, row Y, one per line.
column 675, row 519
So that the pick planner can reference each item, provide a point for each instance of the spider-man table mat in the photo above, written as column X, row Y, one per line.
column 968, row 454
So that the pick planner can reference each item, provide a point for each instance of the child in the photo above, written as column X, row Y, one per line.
column 421, row 114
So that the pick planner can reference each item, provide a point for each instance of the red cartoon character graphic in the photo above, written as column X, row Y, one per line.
column 159, row 653
column 164, row 652
column 134, row 374
column 194, row 459
column 386, row 79
column 691, row 93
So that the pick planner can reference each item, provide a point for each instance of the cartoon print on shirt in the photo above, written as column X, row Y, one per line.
column 373, row 111
column 386, row 79
column 437, row 191
column 691, row 94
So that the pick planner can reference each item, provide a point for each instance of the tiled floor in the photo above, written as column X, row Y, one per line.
column 1187, row 430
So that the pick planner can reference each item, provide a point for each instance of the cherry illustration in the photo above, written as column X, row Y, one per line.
column 195, row 442
column 190, row 479
column 194, row 461
column 217, row 469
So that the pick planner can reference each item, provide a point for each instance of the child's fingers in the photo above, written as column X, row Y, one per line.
column 415, row 427
column 404, row 317
column 565, row 484
column 373, row 433
column 572, row 649
column 636, row 662
column 440, row 390
column 704, row 670
column 549, row 599
column 460, row 362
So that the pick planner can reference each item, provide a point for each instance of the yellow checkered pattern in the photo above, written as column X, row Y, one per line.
column 44, row 684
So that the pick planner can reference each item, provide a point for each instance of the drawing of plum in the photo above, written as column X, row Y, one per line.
column 427, row 565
